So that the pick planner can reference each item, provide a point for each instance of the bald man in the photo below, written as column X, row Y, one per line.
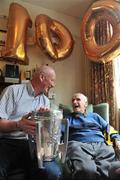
column 88, row 155
column 16, row 103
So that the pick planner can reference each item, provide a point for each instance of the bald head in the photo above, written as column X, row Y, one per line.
column 43, row 79
column 79, row 102
column 45, row 70
column 82, row 96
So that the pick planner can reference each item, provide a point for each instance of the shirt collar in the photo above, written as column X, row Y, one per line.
column 30, row 89
column 79, row 114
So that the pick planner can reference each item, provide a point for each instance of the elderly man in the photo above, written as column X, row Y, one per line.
column 88, row 155
column 16, row 103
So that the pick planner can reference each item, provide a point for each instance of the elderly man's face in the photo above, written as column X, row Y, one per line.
column 49, row 82
column 79, row 103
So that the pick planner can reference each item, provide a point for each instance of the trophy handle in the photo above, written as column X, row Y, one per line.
column 38, row 144
column 35, row 145
column 63, row 146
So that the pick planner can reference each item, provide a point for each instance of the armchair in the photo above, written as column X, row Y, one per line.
column 103, row 110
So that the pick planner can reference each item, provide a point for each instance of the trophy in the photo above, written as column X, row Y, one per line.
column 47, row 139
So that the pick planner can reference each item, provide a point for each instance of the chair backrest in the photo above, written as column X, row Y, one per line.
column 102, row 109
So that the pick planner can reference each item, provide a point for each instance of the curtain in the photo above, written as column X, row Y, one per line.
column 116, row 70
column 102, row 87
column 102, row 82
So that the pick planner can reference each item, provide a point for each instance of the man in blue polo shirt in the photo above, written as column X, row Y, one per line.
column 88, row 155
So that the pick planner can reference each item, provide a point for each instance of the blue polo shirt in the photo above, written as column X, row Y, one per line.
column 87, row 127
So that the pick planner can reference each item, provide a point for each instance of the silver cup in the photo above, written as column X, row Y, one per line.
column 48, row 136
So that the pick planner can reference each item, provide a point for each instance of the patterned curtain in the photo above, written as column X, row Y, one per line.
column 102, row 84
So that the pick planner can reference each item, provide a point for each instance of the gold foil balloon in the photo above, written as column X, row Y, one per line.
column 18, row 23
column 53, row 37
column 101, row 11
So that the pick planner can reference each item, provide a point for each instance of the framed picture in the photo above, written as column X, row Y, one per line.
column 3, row 35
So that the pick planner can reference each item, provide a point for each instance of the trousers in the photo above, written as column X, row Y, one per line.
column 15, row 153
column 91, row 161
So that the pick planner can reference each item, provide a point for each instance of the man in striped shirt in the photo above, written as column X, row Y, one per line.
column 16, row 104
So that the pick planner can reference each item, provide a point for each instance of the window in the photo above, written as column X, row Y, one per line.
column 116, row 64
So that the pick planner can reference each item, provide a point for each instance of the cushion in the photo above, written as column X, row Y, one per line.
column 89, row 108
column 103, row 110
column 67, row 109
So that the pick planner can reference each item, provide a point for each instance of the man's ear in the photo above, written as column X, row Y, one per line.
column 41, row 77
column 86, row 104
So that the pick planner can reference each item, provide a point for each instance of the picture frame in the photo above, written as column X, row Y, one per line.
column 3, row 34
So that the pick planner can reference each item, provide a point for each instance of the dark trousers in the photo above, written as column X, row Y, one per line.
column 15, row 153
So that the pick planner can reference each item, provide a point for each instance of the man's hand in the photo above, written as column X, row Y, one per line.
column 117, row 144
column 117, row 148
column 43, row 109
column 27, row 124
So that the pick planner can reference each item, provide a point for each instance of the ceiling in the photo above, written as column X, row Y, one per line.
column 75, row 8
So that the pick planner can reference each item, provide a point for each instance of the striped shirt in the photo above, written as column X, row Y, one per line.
column 18, row 100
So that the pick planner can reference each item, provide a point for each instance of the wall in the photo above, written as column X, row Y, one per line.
column 72, row 73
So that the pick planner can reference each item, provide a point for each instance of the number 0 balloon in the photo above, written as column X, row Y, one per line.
column 103, row 10
column 53, row 37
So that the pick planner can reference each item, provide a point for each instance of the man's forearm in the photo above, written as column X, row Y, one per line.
column 8, row 125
